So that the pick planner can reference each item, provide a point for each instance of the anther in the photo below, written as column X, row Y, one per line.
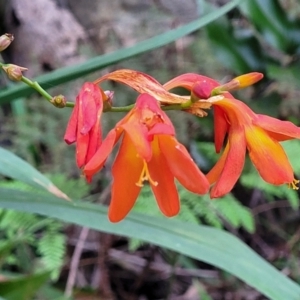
column 293, row 184
column 145, row 176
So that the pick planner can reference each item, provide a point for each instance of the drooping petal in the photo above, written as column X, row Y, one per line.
column 165, row 190
column 84, row 123
column 236, row 111
column 188, row 80
column 95, row 136
column 83, row 138
column 142, row 83
column 96, row 163
column 277, row 129
column 82, row 144
column 214, row 174
column 88, row 110
column 182, row 165
column 138, row 134
column 71, row 131
column 221, row 128
column 233, row 164
column 126, row 173
column 268, row 157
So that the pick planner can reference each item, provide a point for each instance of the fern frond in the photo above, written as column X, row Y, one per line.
column 234, row 212
column 51, row 247
column 14, row 221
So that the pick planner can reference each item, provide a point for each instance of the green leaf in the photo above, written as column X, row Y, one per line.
column 14, row 167
column 5, row 249
column 70, row 73
column 210, row 245
column 49, row 292
column 272, row 21
column 238, row 51
column 22, row 288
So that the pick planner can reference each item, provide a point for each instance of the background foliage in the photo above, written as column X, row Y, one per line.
column 37, row 253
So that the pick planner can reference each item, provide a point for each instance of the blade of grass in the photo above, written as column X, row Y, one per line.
column 204, row 243
column 14, row 167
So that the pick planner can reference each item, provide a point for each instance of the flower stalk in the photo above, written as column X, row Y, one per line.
column 107, row 108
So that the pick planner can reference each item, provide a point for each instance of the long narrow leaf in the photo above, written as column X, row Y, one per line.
column 210, row 245
column 69, row 73
column 14, row 167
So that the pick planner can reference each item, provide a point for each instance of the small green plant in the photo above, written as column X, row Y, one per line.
column 37, row 243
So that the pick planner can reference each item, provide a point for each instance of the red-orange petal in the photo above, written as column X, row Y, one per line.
column 161, row 128
column 215, row 172
column 142, row 83
column 233, row 164
column 182, row 165
column 188, row 80
column 95, row 136
column 82, row 144
column 280, row 130
column 88, row 110
column 221, row 127
column 71, row 131
column 268, row 157
column 165, row 191
column 126, row 172
column 96, row 163
column 138, row 133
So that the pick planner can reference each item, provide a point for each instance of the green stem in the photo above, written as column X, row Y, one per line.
column 35, row 85
column 165, row 107
column 173, row 107
column 70, row 104
column 120, row 108
column 186, row 104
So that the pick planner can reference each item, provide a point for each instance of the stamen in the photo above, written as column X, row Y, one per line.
column 293, row 184
column 145, row 175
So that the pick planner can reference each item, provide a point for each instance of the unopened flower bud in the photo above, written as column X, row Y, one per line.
column 5, row 41
column 109, row 95
column 239, row 82
column 59, row 101
column 248, row 79
column 201, row 90
column 14, row 72
column 107, row 99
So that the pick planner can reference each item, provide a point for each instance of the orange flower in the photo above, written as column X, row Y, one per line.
column 148, row 152
column 83, row 127
column 259, row 134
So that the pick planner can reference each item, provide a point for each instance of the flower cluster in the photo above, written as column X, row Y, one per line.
column 149, row 150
